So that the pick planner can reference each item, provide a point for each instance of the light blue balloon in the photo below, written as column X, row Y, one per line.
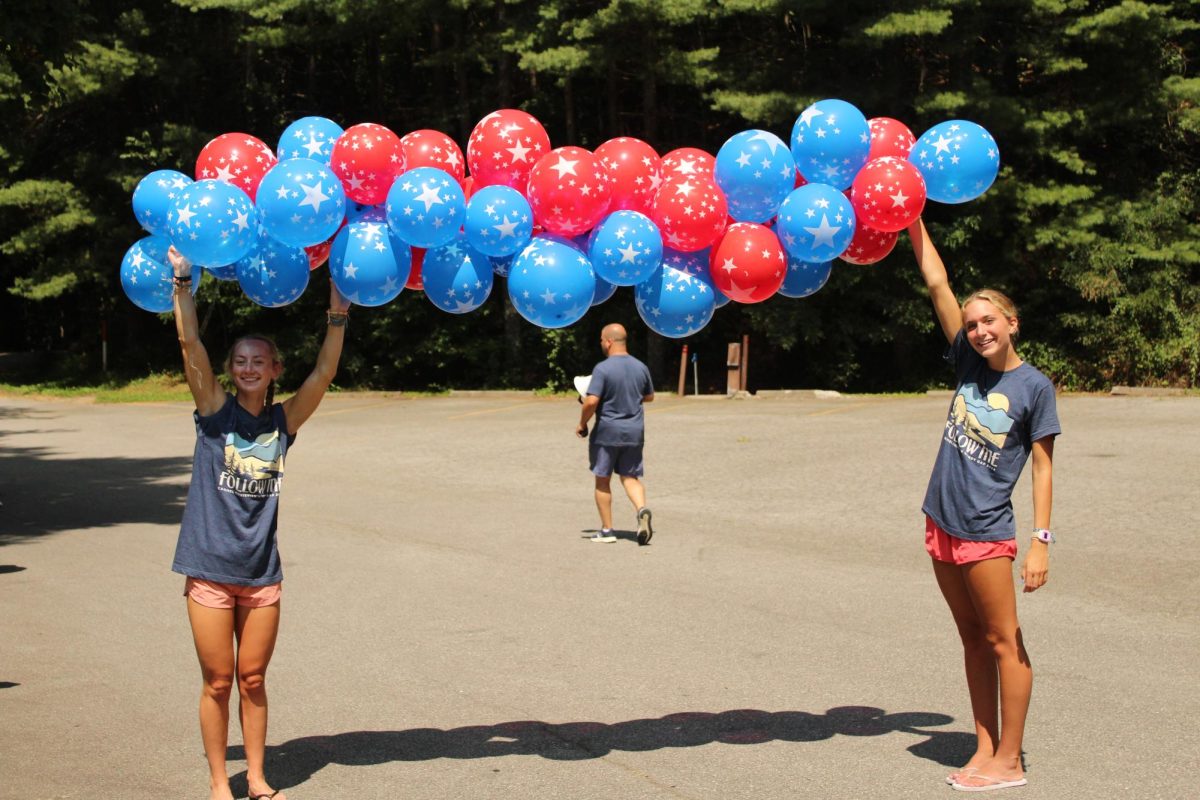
column 425, row 207
column 273, row 274
column 499, row 221
column 756, row 171
column 501, row 265
column 301, row 202
column 958, row 159
column 309, row 137
column 678, row 299
column 551, row 283
column 153, row 197
column 369, row 264
column 830, row 142
column 804, row 278
column 228, row 272
column 816, row 223
column 212, row 223
column 147, row 276
column 625, row 248
column 458, row 278
column 604, row 290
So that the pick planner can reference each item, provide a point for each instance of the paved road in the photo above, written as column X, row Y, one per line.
column 449, row 633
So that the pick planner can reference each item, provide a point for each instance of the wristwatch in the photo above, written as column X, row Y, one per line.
column 1043, row 535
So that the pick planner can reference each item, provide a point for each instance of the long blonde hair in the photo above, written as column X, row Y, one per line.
column 275, row 359
column 1000, row 300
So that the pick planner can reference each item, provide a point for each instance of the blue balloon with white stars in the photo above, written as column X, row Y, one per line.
column 369, row 264
column 551, row 282
column 153, row 197
column 499, row 221
column 830, row 142
column 958, row 159
column 301, row 202
column 425, row 207
column 458, row 278
column 804, row 278
column 212, row 223
column 502, row 265
column 756, row 171
column 147, row 276
column 625, row 248
column 604, row 290
column 273, row 274
column 678, row 299
column 816, row 223
column 227, row 272
column 309, row 137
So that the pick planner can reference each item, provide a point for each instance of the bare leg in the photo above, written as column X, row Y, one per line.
column 212, row 631
column 990, row 584
column 604, row 500
column 635, row 489
column 979, row 661
column 256, row 630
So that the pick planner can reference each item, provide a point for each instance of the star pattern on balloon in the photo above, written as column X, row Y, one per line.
column 236, row 158
column 457, row 277
column 625, row 248
column 551, row 283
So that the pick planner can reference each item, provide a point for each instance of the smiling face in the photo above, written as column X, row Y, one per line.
column 989, row 331
column 253, row 365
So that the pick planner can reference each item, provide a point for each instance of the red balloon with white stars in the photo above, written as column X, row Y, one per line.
column 888, row 194
column 569, row 191
column 688, row 161
column 238, row 159
column 889, row 137
column 428, row 148
column 415, row 281
column 318, row 253
column 367, row 158
column 503, row 148
column 748, row 265
column 635, row 171
column 869, row 245
column 690, row 211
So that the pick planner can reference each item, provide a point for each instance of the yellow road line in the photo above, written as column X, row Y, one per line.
column 352, row 408
column 495, row 410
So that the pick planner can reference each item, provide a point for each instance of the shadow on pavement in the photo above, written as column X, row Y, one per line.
column 294, row 762
column 43, row 494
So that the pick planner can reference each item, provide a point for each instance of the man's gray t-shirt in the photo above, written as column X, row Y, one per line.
column 228, row 530
column 994, row 420
column 620, row 382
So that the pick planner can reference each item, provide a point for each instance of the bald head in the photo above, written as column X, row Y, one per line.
column 612, row 338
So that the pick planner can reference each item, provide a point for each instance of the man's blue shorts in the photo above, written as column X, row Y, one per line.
column 625, row 460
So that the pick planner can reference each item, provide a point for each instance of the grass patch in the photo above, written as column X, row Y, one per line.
column 161, row 387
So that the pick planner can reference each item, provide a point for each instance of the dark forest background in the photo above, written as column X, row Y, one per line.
column 1092, row 226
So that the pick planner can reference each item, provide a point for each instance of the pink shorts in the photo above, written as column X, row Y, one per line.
column 944, row 547
column 226, row 595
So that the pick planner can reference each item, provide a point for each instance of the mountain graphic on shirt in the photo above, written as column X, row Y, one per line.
column 255, row 459
column 984, row 418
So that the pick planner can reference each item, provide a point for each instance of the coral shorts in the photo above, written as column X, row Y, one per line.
column 944, row 547
column 226, row 595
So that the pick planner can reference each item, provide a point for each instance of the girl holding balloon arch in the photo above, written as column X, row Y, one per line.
column 227, row 544
column 1002, row 413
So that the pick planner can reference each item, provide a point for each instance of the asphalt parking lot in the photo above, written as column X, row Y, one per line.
column 449, row 632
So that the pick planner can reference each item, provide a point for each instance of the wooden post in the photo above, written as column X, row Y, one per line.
column 733, row 369
column 743, row 378
column 683, row 371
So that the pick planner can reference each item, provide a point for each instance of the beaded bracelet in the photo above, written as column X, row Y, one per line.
column 337, row 319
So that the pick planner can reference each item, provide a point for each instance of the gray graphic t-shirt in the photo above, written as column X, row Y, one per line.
column 620, row 382
column 228, row 530
column 994, row 420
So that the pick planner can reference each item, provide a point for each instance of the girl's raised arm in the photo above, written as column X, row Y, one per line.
column 206, row 391
column 300, row 406
column 945, row 304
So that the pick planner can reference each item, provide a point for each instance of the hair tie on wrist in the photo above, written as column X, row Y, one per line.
column 337, row 319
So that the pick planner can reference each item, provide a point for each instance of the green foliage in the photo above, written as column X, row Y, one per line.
column 1092, row 224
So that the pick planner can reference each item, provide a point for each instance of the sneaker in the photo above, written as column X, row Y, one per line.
column 604, row 536
column 645, row 529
